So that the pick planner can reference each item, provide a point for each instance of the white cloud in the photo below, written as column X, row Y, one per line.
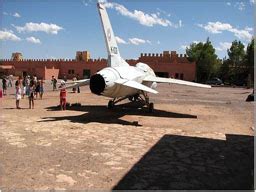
column 223, row 46
column 158, row 42
column 33, row 40
column 218, row 27
column 143, row 18
column 242, row 34
column 218, row 49
column 248, row 28
column 149, row 42
column 120, row 40
column 184, row 47
column 240, row 6
column 228, row 4
column 6, row 30
column 196, row 42
column 35, row 27
column 252, row 1
column 8, row 35
column 16, row 15
column 180, row 23
column 86, row 2
column 134, row 41
column 137, row 41
column 163, row 12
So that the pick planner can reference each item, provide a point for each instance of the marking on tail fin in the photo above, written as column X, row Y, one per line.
column 109, row 35
column 114, row 58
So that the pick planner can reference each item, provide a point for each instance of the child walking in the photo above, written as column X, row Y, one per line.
column 63, row 94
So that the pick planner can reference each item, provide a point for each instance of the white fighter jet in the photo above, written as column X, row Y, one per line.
column 120, row 80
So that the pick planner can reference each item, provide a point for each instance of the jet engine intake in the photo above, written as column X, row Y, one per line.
column 97, row 84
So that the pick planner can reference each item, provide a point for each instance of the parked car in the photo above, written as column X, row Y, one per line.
column 214, row 81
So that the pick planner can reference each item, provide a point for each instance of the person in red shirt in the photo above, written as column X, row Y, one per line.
column 63, row 95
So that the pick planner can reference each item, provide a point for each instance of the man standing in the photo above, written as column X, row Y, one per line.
column 78, row 78
column 4, row 85
column 54, row 83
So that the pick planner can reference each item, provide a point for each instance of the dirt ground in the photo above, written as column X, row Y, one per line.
column 195, row 139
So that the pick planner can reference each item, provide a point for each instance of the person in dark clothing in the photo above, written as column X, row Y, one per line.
column 78, row 88
column 54, row 83
column 37, row 90
column 65, row 77
column 31, row 94
column 4, row 85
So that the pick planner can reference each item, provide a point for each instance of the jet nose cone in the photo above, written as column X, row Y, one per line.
column 97, row 84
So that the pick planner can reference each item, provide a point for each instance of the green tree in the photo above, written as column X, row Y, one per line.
column 237, row 69
column 207, row 62
column 236, row 54
column 249, row 61
column 225, row 70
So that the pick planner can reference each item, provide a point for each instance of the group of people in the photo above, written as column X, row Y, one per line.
column 31, row 87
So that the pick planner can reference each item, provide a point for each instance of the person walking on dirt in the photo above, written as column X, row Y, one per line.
column 41, row 89
column 18, row 93
column 31, row 94
column 37, row 90
column 4, row 85
column 54, row 83
column 63, row 95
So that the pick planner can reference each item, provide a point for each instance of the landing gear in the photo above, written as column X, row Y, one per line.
column 110, row 104
column 142, row 98
column 134, row 97
column 151, row 107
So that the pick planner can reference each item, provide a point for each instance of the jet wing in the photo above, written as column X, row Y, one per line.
column 135, row 85
column 79, row 83
column 175, row 81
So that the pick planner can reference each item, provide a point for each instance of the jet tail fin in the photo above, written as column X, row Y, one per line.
column 114, row 58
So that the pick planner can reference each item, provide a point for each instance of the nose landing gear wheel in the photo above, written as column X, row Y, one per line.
column 110, row 104
column 151, row 107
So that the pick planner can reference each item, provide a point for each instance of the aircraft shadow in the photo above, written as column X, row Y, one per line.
column 101, row 114
column 181, row 162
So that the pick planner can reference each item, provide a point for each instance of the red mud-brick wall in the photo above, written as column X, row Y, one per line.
column 171, row 63
column 168, row 62
column 49, row 72
column 79, row 66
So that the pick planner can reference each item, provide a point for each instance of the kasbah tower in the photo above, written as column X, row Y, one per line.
column 166, row 64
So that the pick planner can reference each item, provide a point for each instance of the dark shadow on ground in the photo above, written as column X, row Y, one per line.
column 101, row 114
column 15, row 108
column 181, row 162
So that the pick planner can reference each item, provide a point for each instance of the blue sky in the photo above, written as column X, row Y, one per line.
column 59, row 28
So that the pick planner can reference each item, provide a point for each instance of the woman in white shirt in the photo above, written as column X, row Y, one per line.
column 18, row 93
